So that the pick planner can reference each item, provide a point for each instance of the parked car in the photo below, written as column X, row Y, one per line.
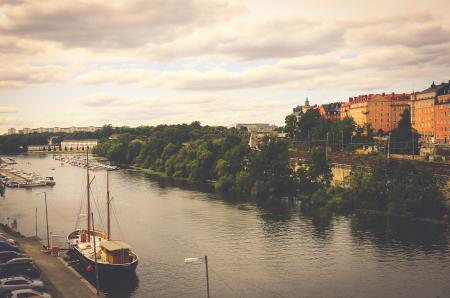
column 7, row 285
column 18, row 261
column 28, row 293
column 5, row 256
column 5, row 246
column 16, row 268
column 9, row 240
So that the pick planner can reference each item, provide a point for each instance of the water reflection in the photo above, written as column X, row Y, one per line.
column 114, row 288
column 401, row 233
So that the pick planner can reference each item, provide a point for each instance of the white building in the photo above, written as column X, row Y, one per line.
column 78, row 144
column 54, row 130
column 256, row 127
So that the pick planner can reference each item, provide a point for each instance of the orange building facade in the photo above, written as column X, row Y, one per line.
column 430, row 113
column 442, row 115
column 380, row 111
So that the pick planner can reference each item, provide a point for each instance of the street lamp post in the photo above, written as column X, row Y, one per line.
column 205, row 258
column 46, row 219
column 35, row 218
column 389, row 146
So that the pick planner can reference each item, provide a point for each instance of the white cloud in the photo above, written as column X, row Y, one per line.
column 8, row 110
column 111, row 24
column 11, row 120
column 102, row 100
column 25, row 75
column 213, row 60
column 210, row 109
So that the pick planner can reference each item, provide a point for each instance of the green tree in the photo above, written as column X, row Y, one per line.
column 314, row 173
column 271, row 165
column 396, row 188
column 404, row 136
column 291, row 126
column 308, row 122
column 133, row 150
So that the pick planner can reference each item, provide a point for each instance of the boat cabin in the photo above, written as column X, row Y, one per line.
column 115, row 252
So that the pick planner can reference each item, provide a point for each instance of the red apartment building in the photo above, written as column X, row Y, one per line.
column 381, row 111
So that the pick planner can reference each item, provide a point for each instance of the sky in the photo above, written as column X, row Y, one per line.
column 149, row 62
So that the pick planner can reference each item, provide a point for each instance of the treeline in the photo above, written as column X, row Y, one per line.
column 204, row 153
column 393, row 187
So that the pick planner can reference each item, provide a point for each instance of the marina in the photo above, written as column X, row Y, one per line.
column 8, row 160
column 12, row 177
column 79, row 160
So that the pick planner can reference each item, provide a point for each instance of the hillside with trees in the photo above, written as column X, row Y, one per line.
column 221, row 155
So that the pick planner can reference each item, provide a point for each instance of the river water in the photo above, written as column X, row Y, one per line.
column 266, row 249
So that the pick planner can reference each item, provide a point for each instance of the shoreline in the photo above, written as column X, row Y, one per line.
column 373, row 212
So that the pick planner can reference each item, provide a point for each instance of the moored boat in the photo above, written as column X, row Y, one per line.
column 50, row 181
column 114, row 258
column 30, row 184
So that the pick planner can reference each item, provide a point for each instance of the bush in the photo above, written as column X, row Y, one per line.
column 225, row 184
column 259, row 189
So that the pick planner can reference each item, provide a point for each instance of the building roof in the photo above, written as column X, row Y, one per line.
column 332, row 107
column 435, row 88
column 114, row 245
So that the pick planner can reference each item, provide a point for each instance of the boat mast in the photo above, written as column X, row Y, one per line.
column 108, row 205
column 88, row 196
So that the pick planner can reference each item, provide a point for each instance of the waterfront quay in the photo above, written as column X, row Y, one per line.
column 60, row 279
column 18, row 178
column 12, row 176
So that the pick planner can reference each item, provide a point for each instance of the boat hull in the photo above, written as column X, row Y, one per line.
column 107, row 271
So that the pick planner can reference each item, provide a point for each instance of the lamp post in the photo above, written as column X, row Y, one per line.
column 35, row 217
column 205, row 258
column 389, row 146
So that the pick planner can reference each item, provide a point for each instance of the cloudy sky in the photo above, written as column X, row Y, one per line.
column 145, row 62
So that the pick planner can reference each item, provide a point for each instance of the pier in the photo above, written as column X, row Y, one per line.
column 60, row 279
column 18, row 178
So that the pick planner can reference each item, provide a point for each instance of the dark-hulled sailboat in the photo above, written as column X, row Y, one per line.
column 115, row 258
